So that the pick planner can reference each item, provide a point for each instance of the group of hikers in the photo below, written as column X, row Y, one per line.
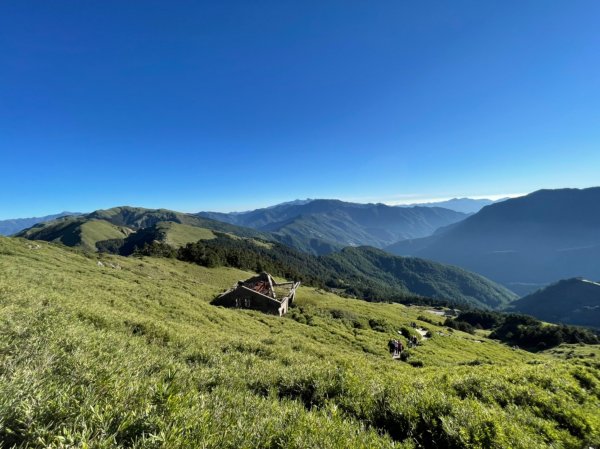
column 396, row 347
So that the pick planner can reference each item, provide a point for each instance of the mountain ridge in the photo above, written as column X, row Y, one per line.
column 574, row 301
column 522, row 242
column 121, row 223
column 335, row 223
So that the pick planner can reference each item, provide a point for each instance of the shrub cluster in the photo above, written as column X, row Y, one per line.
column 459, row 325
column 530, row 333
column 426, row 319
column 481, row 319
column 521, row 330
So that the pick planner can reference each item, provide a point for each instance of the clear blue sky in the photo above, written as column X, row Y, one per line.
column 225, row 105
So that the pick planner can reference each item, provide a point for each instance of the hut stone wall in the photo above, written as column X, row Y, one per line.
column 258, row 293
column 245, row 298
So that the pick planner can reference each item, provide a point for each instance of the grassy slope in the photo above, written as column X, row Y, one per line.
column 177, row 235
column 97, row 230
column 137, row 218
column 76, row 231
column 137, row 357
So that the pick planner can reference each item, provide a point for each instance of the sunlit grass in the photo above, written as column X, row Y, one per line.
column 130, row 353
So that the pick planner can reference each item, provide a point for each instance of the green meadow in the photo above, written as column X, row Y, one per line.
column 100, row 351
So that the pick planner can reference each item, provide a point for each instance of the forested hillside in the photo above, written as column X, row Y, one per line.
column 367, row 273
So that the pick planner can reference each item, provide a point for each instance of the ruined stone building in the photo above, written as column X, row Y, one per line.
column 260, row 292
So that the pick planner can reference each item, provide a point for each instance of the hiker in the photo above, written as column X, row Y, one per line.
column 415, row 340
column 392, row 347
column 400, row 348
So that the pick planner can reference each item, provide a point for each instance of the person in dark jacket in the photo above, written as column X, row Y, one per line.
column 392, row 347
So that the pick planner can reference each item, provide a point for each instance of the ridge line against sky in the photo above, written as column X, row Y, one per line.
column 397, row 200
column 392, row 200
column 236, row 105
column 407, row 199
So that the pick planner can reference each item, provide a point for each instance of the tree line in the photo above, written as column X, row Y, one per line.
column 521, row 330
column 280, row 260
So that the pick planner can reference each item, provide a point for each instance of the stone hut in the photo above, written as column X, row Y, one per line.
column 260, row 292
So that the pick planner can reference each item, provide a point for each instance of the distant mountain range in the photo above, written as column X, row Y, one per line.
column 14, row 225
column 570, row 301
column 323, row 226
column 464, row 205
column 368, row 270
column 523, row 243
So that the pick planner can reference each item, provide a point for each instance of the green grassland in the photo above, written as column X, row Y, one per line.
column 95, row 231
column 176, row 234
column 77, row 231
column 579, row 351
column 130, row 353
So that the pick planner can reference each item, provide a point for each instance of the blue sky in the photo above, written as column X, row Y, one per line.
column 231, row 105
